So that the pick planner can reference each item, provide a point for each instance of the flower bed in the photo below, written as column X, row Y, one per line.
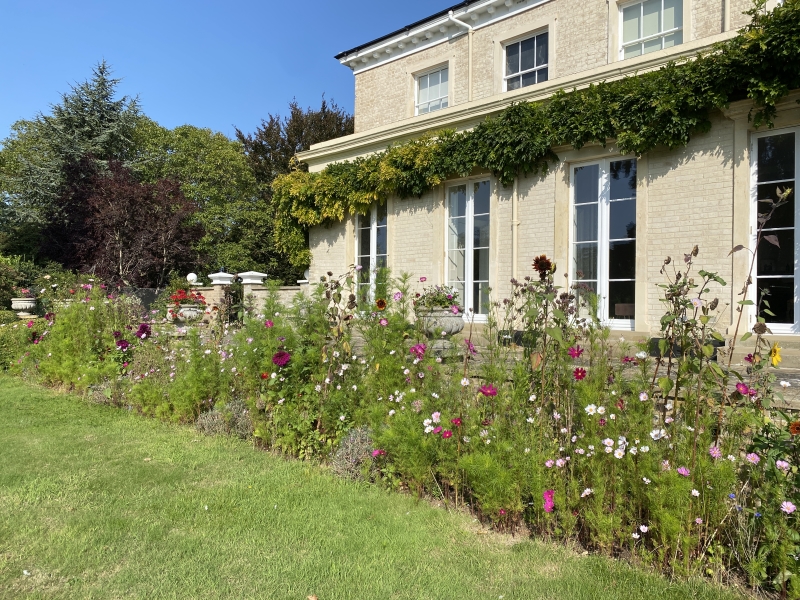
column 578, row 436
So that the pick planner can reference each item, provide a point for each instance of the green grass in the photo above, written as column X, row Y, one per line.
column 96, row 502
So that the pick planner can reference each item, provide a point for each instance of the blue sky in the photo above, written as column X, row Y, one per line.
column 218, row 64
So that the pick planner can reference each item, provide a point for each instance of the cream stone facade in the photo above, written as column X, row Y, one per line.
column 700, row 194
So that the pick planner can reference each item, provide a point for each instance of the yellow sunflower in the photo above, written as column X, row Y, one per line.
column 775, row 354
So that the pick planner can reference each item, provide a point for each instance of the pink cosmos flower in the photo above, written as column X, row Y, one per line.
column 447, row 434
column 575, row 352
column 683, row 471
column 418, row 350
column 488, row 390
column 29, row 324
column 470, row 347
column 378, row 452
column 437, row 430
column 454, row 309
column 782, row 465
column 788, row 507
column 423, row 279
column 579, row 374
column 502, row 512
column 753, row 458
column 715, row 452
column 269, row 324
column 457, row 422
column 549, row 463
column 743, row 389
column 398, row 296
column 383, row 322
column 436, row 417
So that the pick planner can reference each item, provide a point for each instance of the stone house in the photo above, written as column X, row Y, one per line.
column 606, row 218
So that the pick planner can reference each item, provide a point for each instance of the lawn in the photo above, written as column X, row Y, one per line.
column 96, row 502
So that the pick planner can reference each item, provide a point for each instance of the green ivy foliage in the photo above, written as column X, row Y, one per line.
column 662, row 108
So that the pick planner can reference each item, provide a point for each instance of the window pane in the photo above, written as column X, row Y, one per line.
column 632, row 51
column 652, row 45
column 541, row 75
column 621, row 299
column 780, row 298
column 423, row 109
column 651, row 17
column 363, row 274
column 541, row 49
column 457, row 238
column 529, row 79
column 363, row 242
column 458, row 201
column 673, row 14
column 480, row 298
column 630, row 23
column 777, row 261
column 512, row 59
column 443, row 74
column 433, row 86
column 784, row 216
column 622, row 221
column 382, row 214
column 586, row 223
column 776, row 157
column 622, row 179
column 586, row 184
column 456, row 261
column 434, row 106
column 622, row 260
column 673, row 39
column 444, row 103
column 514, row 84
column 423, row 89
column 480, row 267
column 459, row 287
column 527, row 54
column 482, row 193
column 364, row 221
column 586, row 261
column 380, row 241
column 481, row 232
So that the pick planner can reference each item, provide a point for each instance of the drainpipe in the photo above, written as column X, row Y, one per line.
column 469, row 38
column 726, row 16
column 515, row 228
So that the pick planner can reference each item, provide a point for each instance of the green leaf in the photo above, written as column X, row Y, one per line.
column 746, row 302
column 555, row 333
column 717, row 336
column 666, row 384
column 746, row 336
column 662, row 347
column 708, row 350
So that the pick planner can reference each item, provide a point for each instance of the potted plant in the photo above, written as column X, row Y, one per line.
column 24, row 300
column 187, row 306
column 440, row 315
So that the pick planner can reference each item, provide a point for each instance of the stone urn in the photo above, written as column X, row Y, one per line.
column 440, row 324
column 188, row 312
column 25, row 307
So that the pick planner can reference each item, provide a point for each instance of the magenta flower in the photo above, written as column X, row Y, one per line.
column 123, row 345
column 423, row 279
column 502, row 512
column 753, row 458
column 378, row 452
column 456, row 421
column 602, row 422
column 383, row 322
column 579, row 374
column 488, row 390
column 748, row 359
column 447, row 434
column 470, row 347
column 454, row 309
column 437, row 429
column 549, row 504
column 575, row 352
column 29, row 324
column 418, row 350
column 715, row 452
column 683, row 471
column 281, row 358
column 269, row 324
column 743, row 389
column 143, row 331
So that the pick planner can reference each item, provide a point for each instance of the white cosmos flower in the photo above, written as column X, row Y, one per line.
column 619, row 452
column 641, row 355
column 465, row 382
column 644, row 528
column 644, row 449
column 646, row 480
column 695, row 493
column 591, row 409
column 635, row 536
column 587, row 492
column 601, row 410
column 608, row 442
column 785, row 384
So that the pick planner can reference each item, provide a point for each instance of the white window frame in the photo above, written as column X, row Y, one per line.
column 426, row 73
column 469, row 248
column 603, row 239
column 373, row 248
column 662, row 34
column 777, row 328
column 519, row 40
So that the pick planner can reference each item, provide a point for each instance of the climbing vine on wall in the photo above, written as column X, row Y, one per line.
column 640, row 112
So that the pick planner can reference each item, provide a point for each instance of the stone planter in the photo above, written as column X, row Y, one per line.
column 25, row 306
column 188, row 312
column 440, row 324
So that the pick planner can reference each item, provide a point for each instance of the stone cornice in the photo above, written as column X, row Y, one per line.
column 465, row 116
